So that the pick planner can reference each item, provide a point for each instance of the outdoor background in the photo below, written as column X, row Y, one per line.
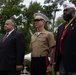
column 22, row 12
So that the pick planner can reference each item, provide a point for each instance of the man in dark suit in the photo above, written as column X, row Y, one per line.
column 12, row 50
column 65, row 55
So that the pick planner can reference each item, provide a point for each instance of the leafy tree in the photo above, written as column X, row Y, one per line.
column 59, row 21
column 47, row 10
column 11, row 9
column 54, row 8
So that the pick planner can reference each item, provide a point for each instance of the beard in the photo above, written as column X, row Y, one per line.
column 67, row 17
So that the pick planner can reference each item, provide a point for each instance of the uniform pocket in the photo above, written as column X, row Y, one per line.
column 42, row 39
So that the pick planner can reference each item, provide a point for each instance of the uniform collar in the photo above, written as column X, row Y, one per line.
column 43, row 31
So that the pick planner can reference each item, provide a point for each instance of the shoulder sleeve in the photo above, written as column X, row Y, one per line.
column 51, row 40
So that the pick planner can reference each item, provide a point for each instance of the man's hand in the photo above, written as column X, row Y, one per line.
column 19, row 67
column 49, row 69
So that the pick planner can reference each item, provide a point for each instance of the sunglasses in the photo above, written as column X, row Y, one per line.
column 38, row 19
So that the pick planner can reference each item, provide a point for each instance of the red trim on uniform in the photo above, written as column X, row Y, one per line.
column 47, row 63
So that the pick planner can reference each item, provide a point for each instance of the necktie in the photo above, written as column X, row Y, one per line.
column 4, row 38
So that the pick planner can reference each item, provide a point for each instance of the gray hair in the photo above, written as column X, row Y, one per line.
column 13, row 22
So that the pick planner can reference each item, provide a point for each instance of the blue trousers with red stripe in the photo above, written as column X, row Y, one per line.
column 39, row 65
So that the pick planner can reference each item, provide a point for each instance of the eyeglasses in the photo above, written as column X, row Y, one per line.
column 38, row 20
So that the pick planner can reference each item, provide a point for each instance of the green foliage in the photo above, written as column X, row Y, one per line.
column 10, row 10
column 59, row 21
column 33, row 8
column 74, row 1
column 53, row 8
column 48, row 11
column 26, row 62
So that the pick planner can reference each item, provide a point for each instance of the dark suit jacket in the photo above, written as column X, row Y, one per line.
column 68, row 48
column 12, row 51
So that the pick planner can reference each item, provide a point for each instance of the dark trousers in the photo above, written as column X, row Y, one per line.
column 62, row 71
column 69, row 74
column 9, row 72
column 39, row 65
